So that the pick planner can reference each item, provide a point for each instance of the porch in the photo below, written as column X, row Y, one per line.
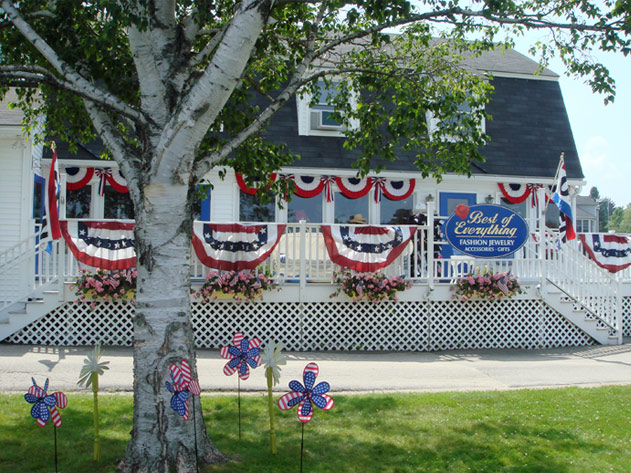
column 567, row 300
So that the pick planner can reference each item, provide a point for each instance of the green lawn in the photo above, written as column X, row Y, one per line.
column 543, row 431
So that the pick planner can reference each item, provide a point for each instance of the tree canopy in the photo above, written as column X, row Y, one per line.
column 175, row 87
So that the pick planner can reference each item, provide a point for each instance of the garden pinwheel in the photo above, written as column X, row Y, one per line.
column 272, row 358
column 305, row 396
column 243, row 355
column 45, row 405
column 182, row 387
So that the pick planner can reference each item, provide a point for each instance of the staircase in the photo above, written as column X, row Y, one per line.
column 585, row 294
column 16, row 316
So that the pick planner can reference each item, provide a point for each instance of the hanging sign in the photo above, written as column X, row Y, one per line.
column 486, row 230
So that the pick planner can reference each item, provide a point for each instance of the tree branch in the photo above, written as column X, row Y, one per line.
column 80, row 85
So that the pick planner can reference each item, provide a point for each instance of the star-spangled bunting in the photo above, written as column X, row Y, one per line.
column 181, row 387
column 304, row 396
column 365, row 248
column 233, row 247
column 243, row 354
column 107, row 245
column 611, row 252
column 45, row 405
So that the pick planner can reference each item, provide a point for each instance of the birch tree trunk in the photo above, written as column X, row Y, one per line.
column 161, row 441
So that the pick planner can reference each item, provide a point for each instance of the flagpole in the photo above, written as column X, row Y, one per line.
column 556, row 177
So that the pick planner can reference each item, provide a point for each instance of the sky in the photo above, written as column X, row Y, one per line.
column 602, row 132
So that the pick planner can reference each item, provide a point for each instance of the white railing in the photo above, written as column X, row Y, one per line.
column 27, row 266
column 594, row 288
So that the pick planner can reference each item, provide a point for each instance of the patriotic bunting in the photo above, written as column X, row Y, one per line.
column 308, row 186
column 76, row 178
column 235, row 246
column 398, row 190
column 611, row 252
column 354, row 187
column 250, row 190
column 117, row 181
column 107, row 245
column 365, row 248
column 515, row 193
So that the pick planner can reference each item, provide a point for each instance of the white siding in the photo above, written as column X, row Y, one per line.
column 223, row 205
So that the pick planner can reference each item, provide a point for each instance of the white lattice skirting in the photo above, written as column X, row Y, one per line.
column 397, row 326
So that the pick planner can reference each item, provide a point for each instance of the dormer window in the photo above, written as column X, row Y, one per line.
column 463, row 109
column 316, row 120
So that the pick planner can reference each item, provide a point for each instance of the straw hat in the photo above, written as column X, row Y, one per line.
column 357, row 218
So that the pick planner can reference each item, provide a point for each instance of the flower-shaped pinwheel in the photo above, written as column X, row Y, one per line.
column 305, row 395
column 45, row 404
column 243, row 355
column 272, row 358
column 182, row 387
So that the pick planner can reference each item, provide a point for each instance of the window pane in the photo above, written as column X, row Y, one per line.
column 38, row 201
column 78, row 202
column 396, row 211
column 521, row 208
column 453, row 202
column 117, row 204
column 345, row 208
column 301, row 208
column 252, row 210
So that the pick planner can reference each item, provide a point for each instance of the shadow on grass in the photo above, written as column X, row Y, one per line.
column 20, row 434
column 365, row 436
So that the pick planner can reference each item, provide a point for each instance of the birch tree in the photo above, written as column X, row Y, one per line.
column 175, row 87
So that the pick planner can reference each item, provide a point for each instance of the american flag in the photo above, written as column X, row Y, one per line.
column 562, row 199
column 50, row 222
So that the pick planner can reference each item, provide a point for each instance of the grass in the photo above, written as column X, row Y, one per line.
column 544, row 431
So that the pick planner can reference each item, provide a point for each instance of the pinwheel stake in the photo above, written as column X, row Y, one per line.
column 45, row 407
column 181, row 387
column 243, row 355
column 272, row 358
column 304, row 397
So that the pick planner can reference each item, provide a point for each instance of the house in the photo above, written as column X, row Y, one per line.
column 587, row 215
column 568, row 300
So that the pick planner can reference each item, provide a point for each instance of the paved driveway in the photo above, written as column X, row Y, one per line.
column 351, row 372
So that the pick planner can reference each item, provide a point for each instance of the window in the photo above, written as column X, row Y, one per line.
column 78, row 202
column 396, row 211
column 301, row 208
column 346, row 208
column 583, row 226
column 521, row 209
column 251, row 209
column 462, row 109
column 316, row 120
column 117, row 205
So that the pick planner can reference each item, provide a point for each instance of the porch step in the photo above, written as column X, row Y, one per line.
column 18, row 315
column 593, row 327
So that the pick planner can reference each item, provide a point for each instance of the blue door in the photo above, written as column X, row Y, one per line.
column 447, row 204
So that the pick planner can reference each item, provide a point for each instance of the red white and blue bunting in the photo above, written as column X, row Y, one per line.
column 76, row 178
column 308, row 186
column 392, row 189
column 250, row 190
column 612, row 252
column 518, row 193
column 235, row 246
column 365, row 248
column 107, row 245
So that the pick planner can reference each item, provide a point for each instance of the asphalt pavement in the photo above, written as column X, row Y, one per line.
column 347, row 372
